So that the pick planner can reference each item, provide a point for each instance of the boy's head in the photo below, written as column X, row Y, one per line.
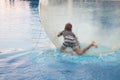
column 68, row 27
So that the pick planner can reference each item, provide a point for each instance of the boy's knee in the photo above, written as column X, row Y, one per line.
column 79, row 52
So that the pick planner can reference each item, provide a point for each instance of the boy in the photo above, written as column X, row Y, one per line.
column 70, row 40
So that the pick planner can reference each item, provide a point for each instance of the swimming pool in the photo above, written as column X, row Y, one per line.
column 27, row 53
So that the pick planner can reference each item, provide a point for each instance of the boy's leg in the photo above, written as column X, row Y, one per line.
column 80, row 52
column 62, row 49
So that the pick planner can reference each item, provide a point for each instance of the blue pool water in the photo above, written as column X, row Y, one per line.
column 26, row 52
column 54, row 65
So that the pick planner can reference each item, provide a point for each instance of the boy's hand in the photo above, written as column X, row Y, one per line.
column 59, row 34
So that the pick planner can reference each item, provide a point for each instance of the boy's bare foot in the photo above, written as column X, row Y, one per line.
column 94, row 44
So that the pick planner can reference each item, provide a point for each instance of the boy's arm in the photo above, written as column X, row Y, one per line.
column 59, row 34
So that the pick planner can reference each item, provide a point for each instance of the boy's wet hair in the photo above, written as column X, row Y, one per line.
column 68, row 27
